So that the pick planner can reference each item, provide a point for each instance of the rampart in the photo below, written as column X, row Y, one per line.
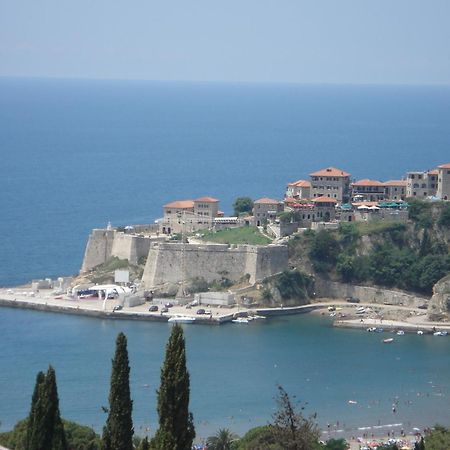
column 104, row 244
column 174, row 262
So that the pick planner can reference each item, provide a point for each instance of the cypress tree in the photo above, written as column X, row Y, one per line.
column 118, row 432
column 176, row 427
column 32, row 426
column 45, row 428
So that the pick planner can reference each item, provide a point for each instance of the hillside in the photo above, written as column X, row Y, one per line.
column 412, row 256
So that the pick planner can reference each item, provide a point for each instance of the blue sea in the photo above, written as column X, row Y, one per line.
column 77, row 154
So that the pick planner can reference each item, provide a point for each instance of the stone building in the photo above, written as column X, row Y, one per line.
column 325, row 207
column 300, row 190
column 189, row 215
column 421, row 184
column 443, row 190
column 395, row 189
column 265, row 209
column 370, row 190
column 331, row 182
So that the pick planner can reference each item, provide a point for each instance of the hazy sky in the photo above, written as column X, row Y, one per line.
column 331, row 41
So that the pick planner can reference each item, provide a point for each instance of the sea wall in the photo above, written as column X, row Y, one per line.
column 366, row 294
column 170, row 263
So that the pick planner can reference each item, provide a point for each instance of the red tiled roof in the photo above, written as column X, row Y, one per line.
column 267, row 200
column 367, row 182
column 300, row 183
column 434, row 172
column 330, row 172
column 395, row 183
column 444, row 166
column 324, row 199
column 206, row 200
column 180, row 204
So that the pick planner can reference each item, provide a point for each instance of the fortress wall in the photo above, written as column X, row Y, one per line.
column 366, row 294
column 98, row 249
column 211, row 262
column 130, row 247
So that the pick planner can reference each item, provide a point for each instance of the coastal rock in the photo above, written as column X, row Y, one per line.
column 439, row 305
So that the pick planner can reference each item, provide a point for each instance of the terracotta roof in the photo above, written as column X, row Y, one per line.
column 324, row 199
column 180, row 204
column 206, row 200
column 367, row 182
column 433, row 172
column 267, row 200
column 395, row 183
column 444, row 166
column 330, row 172
column 300, row 183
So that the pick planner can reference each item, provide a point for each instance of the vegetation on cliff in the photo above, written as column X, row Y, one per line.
column 411, row 256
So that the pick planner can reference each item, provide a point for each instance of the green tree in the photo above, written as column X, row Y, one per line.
column 324, row 250
column 79, row 437
column 118, row 431
column 224, row 439
column 45, row 430
column 144, row 445
column 444, row 217
column 438, row 439
column 290, row 429
column 242, row 205
column 176, row 425
column 259, row 438
column 336, row 444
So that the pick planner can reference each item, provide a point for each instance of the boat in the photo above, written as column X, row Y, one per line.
column 182, row 319
column 388, row 340
column 440, row 333
column 371, row 329
column 420, row 332
column 240, row 320
column 400, row 333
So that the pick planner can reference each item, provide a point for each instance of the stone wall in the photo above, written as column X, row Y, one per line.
column 104, row 244
column 366, row 294
column 170, row 263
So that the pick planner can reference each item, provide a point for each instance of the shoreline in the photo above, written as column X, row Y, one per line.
column 23, row 297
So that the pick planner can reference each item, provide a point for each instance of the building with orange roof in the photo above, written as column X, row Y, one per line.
column 265, row 209
column 325, row 208
column 421, row 184
column 331, row 182
column 443, row 190
column 371, row 190
column 189, row 215
column 395, row 189
column 300, row 189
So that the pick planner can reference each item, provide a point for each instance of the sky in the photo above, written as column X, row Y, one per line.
column 313, row 41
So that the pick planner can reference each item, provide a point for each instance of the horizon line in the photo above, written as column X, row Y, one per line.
column 233, row 82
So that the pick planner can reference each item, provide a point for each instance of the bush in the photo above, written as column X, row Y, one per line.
column 324, row 251
column 444, row 217
column 293, row 284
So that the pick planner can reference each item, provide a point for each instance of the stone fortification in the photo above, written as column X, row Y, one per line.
column 439, row 307
column 366, row 294
column 171, row 263
column 104, row 244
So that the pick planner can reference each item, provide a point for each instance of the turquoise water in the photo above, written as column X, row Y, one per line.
column 234, row 370
column 76, row 154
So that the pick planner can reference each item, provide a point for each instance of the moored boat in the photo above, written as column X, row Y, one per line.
column 182, row 319
column 388, row 340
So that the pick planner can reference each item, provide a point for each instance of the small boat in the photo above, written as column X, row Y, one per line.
column 182, row 319
column 420, row 332
column 388, row 340
column 371, row 329
column 400, row 333
column 240, row 320
column 379, row 330
column 440, row 333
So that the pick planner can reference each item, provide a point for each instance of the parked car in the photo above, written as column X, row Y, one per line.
column 169, row 305
column 153, row 308
column 352, row 300
column 424, row 306
column 200, row 311
column 117, row 308
column 164, row 310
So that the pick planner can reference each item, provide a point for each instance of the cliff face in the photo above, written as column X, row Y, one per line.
column 439, row 305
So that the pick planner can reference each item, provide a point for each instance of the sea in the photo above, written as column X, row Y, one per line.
column 77, row 154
